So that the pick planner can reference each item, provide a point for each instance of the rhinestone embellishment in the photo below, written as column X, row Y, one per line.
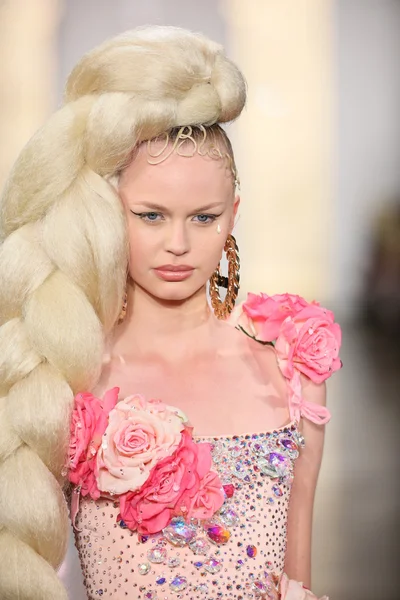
column 219, row 558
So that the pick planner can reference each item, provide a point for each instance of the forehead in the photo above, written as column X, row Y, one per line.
column 176, row 177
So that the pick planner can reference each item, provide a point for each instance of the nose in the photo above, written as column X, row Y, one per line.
column 177, row 240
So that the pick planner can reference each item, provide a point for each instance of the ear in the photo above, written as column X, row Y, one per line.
column 234, row 213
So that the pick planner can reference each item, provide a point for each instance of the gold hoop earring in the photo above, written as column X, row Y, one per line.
column 122, row 314
column 223, row 308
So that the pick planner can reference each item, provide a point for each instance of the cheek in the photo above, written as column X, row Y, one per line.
column 208, row 251
column 141, row 250
column 209, row 244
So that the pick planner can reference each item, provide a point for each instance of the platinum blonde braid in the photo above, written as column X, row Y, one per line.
column 63, row 265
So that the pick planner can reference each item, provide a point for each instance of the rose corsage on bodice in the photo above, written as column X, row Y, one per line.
column 141, row 454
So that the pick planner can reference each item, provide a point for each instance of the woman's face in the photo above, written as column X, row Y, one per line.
column 179, row 214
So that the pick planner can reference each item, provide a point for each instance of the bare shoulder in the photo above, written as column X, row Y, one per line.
column 261, row 357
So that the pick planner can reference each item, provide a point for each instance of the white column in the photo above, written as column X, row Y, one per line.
column 28, row 35
column 283, row 142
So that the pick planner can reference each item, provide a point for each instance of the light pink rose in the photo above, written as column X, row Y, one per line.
column 239, row 319
column 139, row 433
column 309, row 342
column 261, row 315
column 294, row 590
column 88, row 423
column 171, row 488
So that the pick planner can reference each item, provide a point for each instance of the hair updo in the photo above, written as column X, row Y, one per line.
column 63, row 266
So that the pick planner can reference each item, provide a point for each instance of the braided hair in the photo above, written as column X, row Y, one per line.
column 63, row 267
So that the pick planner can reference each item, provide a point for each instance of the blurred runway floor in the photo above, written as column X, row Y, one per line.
column 356, row 525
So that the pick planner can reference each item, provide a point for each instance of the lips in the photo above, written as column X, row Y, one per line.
column 174, row 272
column 174, row 268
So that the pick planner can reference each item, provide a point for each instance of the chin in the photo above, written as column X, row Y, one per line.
column 176, row 291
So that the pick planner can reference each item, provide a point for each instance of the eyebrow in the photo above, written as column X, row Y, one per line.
column 161, row 208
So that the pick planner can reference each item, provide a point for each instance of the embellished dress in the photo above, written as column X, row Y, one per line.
column 207, row 516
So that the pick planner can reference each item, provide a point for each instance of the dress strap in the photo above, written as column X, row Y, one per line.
column 299, row 407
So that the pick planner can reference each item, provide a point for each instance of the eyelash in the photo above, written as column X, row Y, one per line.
column 144, row 217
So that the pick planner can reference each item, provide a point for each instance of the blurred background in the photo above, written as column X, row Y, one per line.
column 318, row 150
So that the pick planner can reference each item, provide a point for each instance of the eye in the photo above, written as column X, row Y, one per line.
column 205, row 219
column 149, row 217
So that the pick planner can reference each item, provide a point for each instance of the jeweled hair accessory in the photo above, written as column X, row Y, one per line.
column 186, row 144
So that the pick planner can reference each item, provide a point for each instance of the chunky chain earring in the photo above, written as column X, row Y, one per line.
column 122, row 314
column 231, row 283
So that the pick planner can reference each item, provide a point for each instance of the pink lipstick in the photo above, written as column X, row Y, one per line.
column 174, row 272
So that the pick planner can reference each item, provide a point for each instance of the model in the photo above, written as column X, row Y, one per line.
column 170, row 425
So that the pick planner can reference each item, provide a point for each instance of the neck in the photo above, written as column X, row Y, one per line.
column 163, row 327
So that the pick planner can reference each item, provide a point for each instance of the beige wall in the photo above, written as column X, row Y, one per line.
column 283, row 143
column 28, row 35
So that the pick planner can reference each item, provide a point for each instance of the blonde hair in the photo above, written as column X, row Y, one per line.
column 63, row 266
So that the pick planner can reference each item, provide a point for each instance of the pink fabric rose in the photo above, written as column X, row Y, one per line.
column 263, row 315
column 305, row 336
column 88, row 423
column 209, row 498
column 294, row 590
column 173, row 488
column 309, row 342
column 138, row 435
column 84, row 477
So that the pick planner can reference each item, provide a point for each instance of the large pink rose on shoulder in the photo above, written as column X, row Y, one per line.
column 180, row 484
column 139, row 433
column 309, row 342
column 88, row 423
column 304, row 334
column 262, row 315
